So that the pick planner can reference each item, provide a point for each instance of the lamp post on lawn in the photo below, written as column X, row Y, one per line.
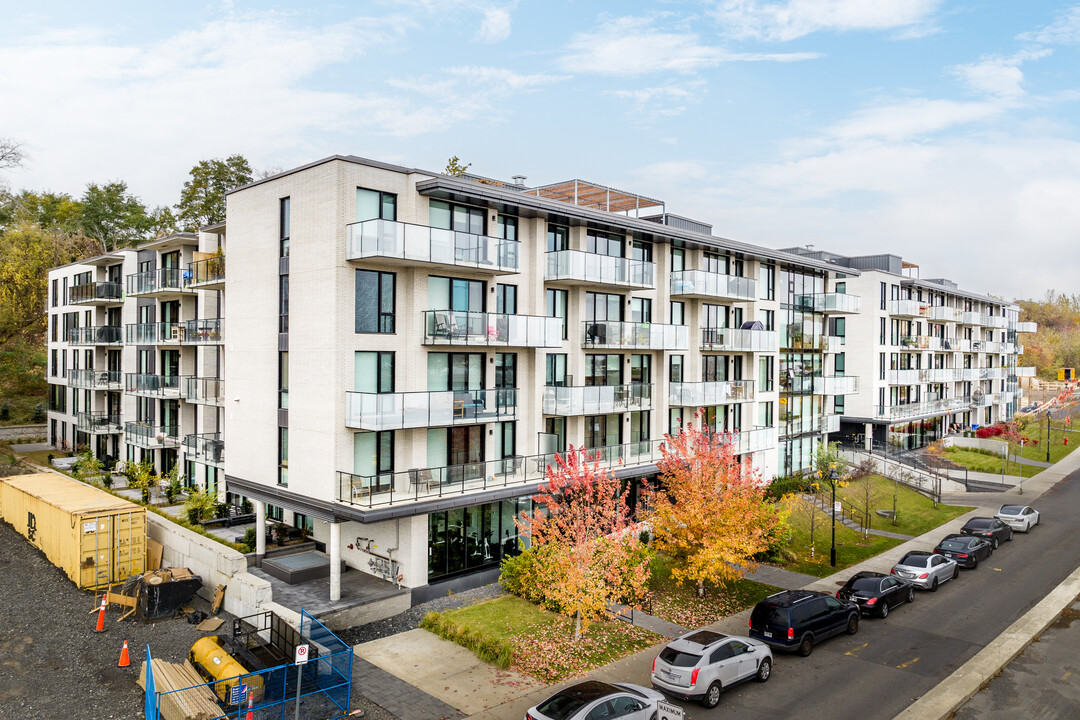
column 1047, row 436
column 833, row 478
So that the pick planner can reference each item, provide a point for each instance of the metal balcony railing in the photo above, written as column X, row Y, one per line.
column 162, row 280
column 152, row 385
column 94, row 379
column 702, row 283
column 571, row 401
column 396, row 411
column 100, row 335
column 205, row 448
column 585, row 267
column 833, row 303
column 206, row 273
column 707, row 394
column 423, row 244
column 95, row 293
column 151, row 436
column 97, row 423
column 203, row 391
column 634, row 335
column 453, row 327
column 922, row 409
column 909, row 308
column 202, row 332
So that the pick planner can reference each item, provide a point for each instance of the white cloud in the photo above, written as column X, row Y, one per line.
column 632, row 46
column 495, row 25
column 669, row 100
column 911, row 118
column 997, row 76
column 1065, row 30
column 790, row 19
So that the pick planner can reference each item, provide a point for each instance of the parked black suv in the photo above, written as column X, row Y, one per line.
column 796, row 619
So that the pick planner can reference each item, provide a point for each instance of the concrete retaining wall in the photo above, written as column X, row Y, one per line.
column 215, row 563
column 998, row 447
column 11, row 433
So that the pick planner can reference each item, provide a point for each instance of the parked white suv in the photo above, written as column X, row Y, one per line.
column 702, row 663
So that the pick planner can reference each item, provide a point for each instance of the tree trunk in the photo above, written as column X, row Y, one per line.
column 701, row 589
column 577, row 625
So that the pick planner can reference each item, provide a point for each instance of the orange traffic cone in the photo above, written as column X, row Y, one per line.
column 251, row 702
column 101, row 616
column 125, row 661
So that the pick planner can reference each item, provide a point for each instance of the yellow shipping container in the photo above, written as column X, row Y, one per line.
column 94, row 537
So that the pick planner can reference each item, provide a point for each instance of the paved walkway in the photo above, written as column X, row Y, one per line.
column 403, row 700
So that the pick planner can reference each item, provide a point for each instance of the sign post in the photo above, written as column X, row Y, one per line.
column 300, row 659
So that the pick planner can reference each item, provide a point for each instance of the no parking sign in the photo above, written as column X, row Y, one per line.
column 667, row 711
column 301, row 654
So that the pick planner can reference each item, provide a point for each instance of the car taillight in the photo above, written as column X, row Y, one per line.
column 893, row 571
column 693, row 677
column 924, row 576
column 791, row 633
column 961, row 555
column 654, row 665
column 871, row 601
column 749, row 623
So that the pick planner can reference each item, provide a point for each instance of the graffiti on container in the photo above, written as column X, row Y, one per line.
column 31, row 526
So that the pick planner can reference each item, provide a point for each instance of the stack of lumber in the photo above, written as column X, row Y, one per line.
column 196, row 702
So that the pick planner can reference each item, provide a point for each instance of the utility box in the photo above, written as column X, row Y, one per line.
column 1066, row 374
column 94, row 537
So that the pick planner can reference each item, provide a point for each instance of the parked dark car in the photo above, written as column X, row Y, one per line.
column 876, row 593
column 994, row 530
column 966, row 550
column 798, row 619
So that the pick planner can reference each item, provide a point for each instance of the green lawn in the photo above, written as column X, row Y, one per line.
column 981, row 462
column 682, row 606
column 540, row 642
column 1037, row 432
column 916, row 513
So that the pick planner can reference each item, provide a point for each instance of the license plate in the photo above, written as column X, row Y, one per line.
column 766, row 633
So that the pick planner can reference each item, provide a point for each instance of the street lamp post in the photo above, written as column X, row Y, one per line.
column 833, row 478
column 1047, row 436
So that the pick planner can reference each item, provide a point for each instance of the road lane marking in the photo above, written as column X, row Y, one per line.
column 997, row 569
column 1067, row 674
column 904, row 666
column 854, row 652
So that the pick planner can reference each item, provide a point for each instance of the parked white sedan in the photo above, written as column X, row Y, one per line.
column 595, row 700
column 1020, row 518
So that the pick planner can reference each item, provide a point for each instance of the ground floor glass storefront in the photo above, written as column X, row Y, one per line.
column 917, row 433
column 473, row 538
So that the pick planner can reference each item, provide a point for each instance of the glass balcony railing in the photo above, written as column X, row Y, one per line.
column 395, row 411
column 151, row 436
column 453, row 327
column 909, row 308
column 101, row 335
column 707, row 394
column 205, row 448
column 791, row 426
column 820, row 384
column 162, row 280
column 94, row 379
column 423, row 244
column 571, row 401
column 589, row 268
column 202, row 332
column 1026, row 327
column 203, row 391
column 943, row 313
column 909, row 411
column 1025, row 371
column 705, row 284
column 162, row 333
column 95, row 293
column 924, row 342
column 207, row 274
column 97, row 423
column 152, row 385
column 634, row 335
column 995, row 321
column 739, row 340
column 834, row 303
column 925, row 375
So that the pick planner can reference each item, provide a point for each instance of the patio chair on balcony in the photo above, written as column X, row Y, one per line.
column 420, row 479
column 103, row 378
column 361, row 493
column 596, row 334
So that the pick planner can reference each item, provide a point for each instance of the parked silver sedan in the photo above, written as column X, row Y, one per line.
column 925, row 569
column 595, row 700
column 700, row 664
column 1020, row 518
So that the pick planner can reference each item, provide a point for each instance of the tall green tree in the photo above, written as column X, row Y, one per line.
column 113, row 216
column 202, row 199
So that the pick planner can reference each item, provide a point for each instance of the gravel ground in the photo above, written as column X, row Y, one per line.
column 410, row 619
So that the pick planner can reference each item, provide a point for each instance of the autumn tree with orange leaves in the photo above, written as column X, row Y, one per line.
column 585, row 552
column 709, row 513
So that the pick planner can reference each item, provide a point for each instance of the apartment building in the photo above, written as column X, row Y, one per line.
column 929, row 355
column 136, row 353
column 404, row 352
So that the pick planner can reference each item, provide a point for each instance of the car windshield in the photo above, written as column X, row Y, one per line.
column 864, row 584
column 768, row 615
column 1010, row 509
column 954, row 545
column 679, row 659
column 978, row 524
column 915, row 560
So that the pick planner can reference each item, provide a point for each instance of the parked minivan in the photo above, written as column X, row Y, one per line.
column 798, row 619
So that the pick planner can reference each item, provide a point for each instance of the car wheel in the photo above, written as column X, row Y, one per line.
column 1010, row 536
column 955, row 572
column 712, row 696
column 995, row 546
column 974, row 563
column 885, row 609
column 764, row 670
column 853, row 624
column 933, row 585
column 911, row 594
column 806, row 646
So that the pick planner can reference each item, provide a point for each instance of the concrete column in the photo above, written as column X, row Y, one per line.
column 335, row 561
column 260, row 531
column 868, row 441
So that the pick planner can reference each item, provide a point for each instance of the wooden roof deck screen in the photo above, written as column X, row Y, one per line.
column 593, row 195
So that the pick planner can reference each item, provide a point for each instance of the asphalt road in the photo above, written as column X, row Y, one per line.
column 889, row 663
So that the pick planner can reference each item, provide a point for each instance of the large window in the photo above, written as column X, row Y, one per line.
column 506, row 299
column 675, row 368
column 558, row 238
column 556, row 307
column 714, row 368
column 373, row 372
column 284, row 222
column 459, row 218
column 601, row 306
column 374, row 301
column 475, row 537
column 641, row 310
column 375, row 205
column 455, row 294
column 506, row 370
column 603, row 369
column 603, row 431
column 603, row 243
column 555, row 372
column 459, row 372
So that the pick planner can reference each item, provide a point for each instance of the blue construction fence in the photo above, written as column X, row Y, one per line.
column 322, row 687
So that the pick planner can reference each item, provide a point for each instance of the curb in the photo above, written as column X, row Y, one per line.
column 951, row 693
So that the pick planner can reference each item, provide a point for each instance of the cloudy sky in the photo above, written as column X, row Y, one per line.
column 942, row 130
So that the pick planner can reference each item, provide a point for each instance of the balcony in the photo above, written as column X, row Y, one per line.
column 202, row 332
column 984, row 400
column 162, row 333
column 830, row 303
column 203, row 391
column 791, row 426
column 97, row 423
column 909, row 309
column 146, row 385
column 1026, row 327
column 397, row 411
column 452, row 327
column 206, row 274
column 420, row 484
column 925, row 375
column 922, row 342
column 101, row 335
column 94, row 379
column 205, row 448
column 1025, row 371
column 755, row 440
column 612, row 334
column 710, row 285
column 943, row 313
column 822, row 384
column 96, row 293
column 397, row 243
column 995, row 321
column 739, row 340
column 707, row 394
column 910, row 411
column 577, row 267
column 151, row 437
column 163, row 282
column 568, row 401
